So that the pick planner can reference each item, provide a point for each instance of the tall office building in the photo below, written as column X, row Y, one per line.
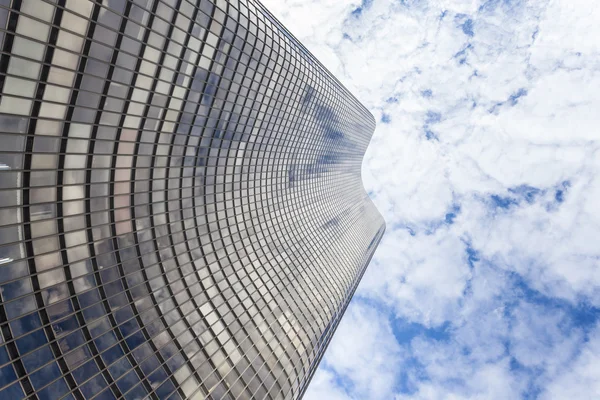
column 181, row 207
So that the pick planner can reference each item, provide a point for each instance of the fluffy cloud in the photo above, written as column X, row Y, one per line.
column 486, row 166
column 425, row 275
column 363, row 354
column 581, row 379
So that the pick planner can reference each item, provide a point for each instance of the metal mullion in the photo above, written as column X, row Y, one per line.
column 113, row 323
column 9, row 37
column 218, row 261
column 195, row 215
column 215, row 338
column 68, row 279
column 87, row 275
column 228, row 152
column 351, row 222
column 242, row 328
column 115, row 238
column 215, row 335
column 16, row 96
column 270, row 351
column 11, row 347
column 204, row 196
column 307, row 147
column 329, row 175
column 72, row 247
column 163, row 362
column 83, row 214
column 151, row 216
column 13, row 353
column 175, row 340
column 266, row 305
column 351, row 210
column 275, row 323
column 299, row 45
column 311, row 345
column 272, row 354
column 240, row 304
column 270, row 118
column 299, row 308
column 110, row 169
column 104, row 62
column 267, row 343
column 237, row 63
column 193, row 178
column 335, row 276
column 232, row 338
column 88, row 307
column 99, row 169
column 73, row 231
column 355, row 206
column 108, row 27
column 105, row 351
column 193, row 372
column 288, row 72
column 30, row 152
column 261, row 201
column 89, row 230
column 142, row 328
column 98, row 3
column 155, row 303
column 26, row 211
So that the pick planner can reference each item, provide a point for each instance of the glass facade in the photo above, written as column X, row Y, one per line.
column 182, row 214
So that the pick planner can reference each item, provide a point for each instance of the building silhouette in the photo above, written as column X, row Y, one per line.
column 182, row 213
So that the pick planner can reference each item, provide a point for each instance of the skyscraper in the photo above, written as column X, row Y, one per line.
column 182, row 213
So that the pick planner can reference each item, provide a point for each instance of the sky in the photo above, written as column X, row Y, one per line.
column 486, row 166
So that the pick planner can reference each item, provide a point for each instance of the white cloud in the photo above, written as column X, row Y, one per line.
column 324, row 386
column 553, row 246
column 363, row 351
column 422, row 277
column 490, row 382
column 496, row 351
column 580, row 379
column 538, row 339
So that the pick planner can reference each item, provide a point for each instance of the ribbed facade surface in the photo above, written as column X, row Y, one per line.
column 182, row 214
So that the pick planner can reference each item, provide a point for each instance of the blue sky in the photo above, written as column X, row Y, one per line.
column 486, row 166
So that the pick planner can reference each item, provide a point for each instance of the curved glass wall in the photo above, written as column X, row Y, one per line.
column 181, row 207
